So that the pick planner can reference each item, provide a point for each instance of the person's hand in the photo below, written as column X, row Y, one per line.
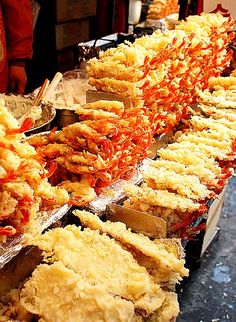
column 17, row 79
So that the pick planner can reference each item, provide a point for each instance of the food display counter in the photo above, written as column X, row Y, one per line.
column 160, row 142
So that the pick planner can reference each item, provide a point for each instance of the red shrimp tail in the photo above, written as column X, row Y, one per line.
column 25, row 126
column 7, row 231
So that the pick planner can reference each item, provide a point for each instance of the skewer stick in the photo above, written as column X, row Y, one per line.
column 51, row 88
column 41, row 92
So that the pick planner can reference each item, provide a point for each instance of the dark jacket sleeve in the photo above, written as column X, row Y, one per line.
column 17, row 16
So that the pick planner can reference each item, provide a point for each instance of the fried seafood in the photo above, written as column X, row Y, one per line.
column 117, row 274
column 165, row 71
column 146, row 196
column 196, row 137
column 205, row 175
column 82, row 192
column 75, row 300
column 197, row 166
column 179, row 212
column 94, row 114
column 200, row 123
column 54, row 150
column 108, row 106
column 211, row 151
column 106, row 148
column 217, row 83
column 216, row 113
column 188, row 158
column 23, row 180
column 79, row 281
column 156, row 252
column 220, row 98
column 184, row 184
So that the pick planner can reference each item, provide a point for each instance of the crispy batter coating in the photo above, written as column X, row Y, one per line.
column 24, row 187
column 101, row 261
column 184, row 184
column 143, row 244
column 58, row 294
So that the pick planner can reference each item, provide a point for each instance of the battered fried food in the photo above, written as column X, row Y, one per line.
column 164, row 72
column 24, row 187
column 47, row 295
column 162, row 198
column 85, row 252
column 164, row 260
column 91, row 275
column 82, row 191
column 184, row 184
column 205, row 175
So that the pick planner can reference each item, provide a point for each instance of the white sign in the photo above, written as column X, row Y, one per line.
column 226, row 7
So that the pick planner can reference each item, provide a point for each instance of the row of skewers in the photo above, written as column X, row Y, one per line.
column 163, row 73
column 188, row 173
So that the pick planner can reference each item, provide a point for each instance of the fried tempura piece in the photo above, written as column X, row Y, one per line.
column 38, row 140
column 205, row 175
column 7, row 205
column 24, row 187
column 220, row 98
column 97, row 114
column 189, row 158
column 156, row 252
column 222, row 82
column 184, row 184
column 197, row 138
column 121, row 87
column 200, row 123
column 81, row 190
column 159, row 198
column 86, row 252
column 207, row 150
column 57, row 294
column 169, row 310
column 54, row 150
column 115, row 107
column 217, row 113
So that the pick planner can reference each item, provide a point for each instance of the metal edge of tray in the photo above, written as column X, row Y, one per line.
column 39, row 129
column 13, row 246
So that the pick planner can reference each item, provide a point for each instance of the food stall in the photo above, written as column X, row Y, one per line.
column 155, row 142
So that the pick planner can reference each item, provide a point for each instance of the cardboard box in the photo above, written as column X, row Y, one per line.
column 71, row 33
column 212, row 221
column 67, row 10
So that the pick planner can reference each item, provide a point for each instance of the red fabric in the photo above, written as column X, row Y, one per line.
column 120, row 16
column 16, row 35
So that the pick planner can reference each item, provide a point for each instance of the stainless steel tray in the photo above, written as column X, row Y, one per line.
column 20, row 106
column 13, row 246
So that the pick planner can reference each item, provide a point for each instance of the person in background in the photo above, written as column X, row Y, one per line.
column 16, row 36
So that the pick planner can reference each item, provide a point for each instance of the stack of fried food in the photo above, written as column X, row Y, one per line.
column 24, row 187
column 163, row 71
column 221, row 93
column 105, row 146
column 104, row 272
column 159, row 9
column 188, row 173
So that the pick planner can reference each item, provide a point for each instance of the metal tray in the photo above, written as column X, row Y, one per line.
column 13, row 246
column 20, row 105
column 44, row 123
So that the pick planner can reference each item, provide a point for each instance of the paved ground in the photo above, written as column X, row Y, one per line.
column 209, row 295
